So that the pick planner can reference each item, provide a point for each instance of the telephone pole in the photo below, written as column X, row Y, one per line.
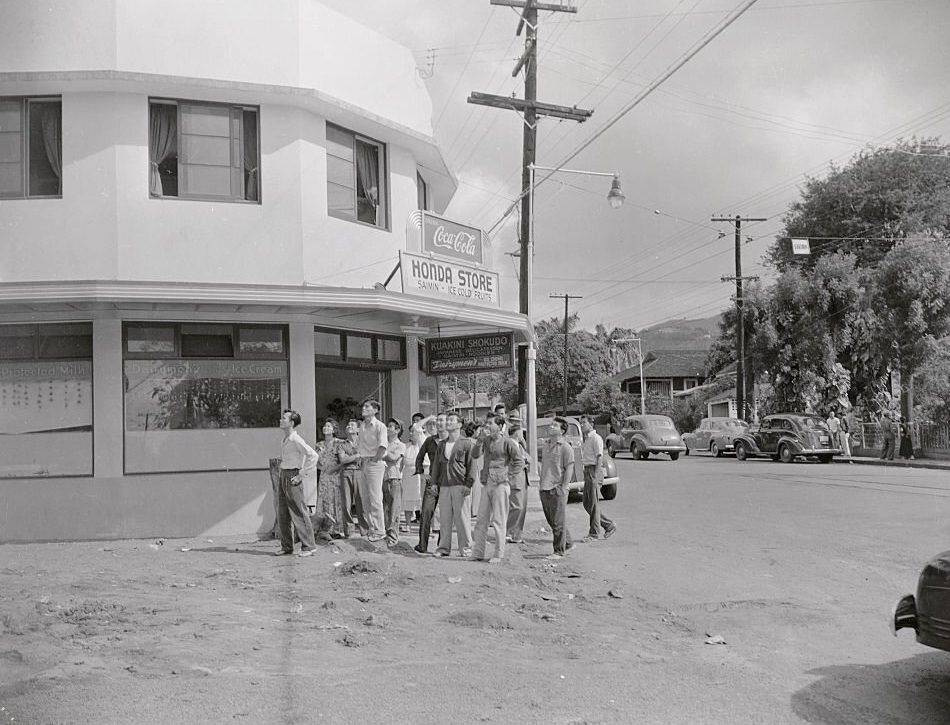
column 567, row 299
column 530, row 108
column 740, row 320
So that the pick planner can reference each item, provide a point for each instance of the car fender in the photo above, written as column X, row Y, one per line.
column 616, row 439
column 749, row 443
column 639, row 438
column 793, row 443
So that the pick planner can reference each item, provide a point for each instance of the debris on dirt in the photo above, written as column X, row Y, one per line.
column 329, row 604
column 186, row 548
column 714, row 639
column 615, row 593
column 548, row 597
column 350, row 640
column 455, row 579
column 364, row 598
column 548, row 617
column 359, row 566
column 478, row 619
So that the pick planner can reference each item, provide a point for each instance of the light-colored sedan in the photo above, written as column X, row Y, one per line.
column 716, row 435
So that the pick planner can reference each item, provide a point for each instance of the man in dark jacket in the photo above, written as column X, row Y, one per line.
column 430, row 495
column 453, row 471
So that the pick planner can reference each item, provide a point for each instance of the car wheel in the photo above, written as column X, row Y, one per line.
column 825, row 458
column 714, row 449
column 611, row 451
column 741, row 452
column 785, row 454
column 608, row 493
column 674, row 455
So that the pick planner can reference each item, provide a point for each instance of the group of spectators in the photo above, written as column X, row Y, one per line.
column 895, row 431
column 372, row 484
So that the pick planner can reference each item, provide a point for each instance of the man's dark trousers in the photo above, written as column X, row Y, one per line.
column 554, row 505
column 593, row 478
column 430, row 499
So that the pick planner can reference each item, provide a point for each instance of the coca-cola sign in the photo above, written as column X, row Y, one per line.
column 452, row 240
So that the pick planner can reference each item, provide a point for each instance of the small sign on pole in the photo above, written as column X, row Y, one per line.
column 800, row 246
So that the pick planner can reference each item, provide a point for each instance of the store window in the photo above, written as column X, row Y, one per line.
column 31, row 147
column 351, row 367
column 46, row 400
column 356, row 178
column 203, row 151
column 202, row 396
column 428, row 386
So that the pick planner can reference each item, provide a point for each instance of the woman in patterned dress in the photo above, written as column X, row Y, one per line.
column 328, row 516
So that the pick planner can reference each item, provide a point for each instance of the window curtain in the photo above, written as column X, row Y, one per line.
column 51, row 115
column 162, row 132
column 251, row 174
column 367, row 173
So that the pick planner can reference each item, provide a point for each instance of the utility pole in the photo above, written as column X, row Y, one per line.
column 740, row 320
column 567, row 299
column 530, row 109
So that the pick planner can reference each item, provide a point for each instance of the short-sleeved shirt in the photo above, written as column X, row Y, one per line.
column 556, row 457
column 395, row 448
column 592, row 448
column 834, row 424
column 372, row 436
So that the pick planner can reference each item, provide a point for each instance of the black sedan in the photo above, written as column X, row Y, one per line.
column 929, row 612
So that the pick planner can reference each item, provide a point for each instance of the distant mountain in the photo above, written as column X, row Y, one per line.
column 681, row 334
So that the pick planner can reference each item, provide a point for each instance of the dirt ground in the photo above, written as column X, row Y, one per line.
column 201, row 630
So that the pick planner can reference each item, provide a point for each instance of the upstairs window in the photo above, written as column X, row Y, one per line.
column 203, row 151
column 356, row 178
column 422, row 193
column 31, row 150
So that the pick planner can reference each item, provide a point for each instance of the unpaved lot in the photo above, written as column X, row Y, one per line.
column 220, row 631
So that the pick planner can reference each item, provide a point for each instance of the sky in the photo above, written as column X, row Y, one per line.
column 789, row 88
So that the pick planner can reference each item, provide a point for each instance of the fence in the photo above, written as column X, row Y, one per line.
column 931, row 440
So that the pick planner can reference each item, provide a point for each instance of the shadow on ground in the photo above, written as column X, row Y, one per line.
column 913, row 691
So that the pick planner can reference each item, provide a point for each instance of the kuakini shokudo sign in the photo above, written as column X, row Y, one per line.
column 449, row 280
column 469, row 354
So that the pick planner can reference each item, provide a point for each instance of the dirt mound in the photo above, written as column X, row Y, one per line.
column 478, row 619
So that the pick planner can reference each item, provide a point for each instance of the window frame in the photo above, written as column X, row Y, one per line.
column 423, row 193
column 383, row 206
column 343, row 360
column 235, row 332
column 241, row 108
column 25, row 147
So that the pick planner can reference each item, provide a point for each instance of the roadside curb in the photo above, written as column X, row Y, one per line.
column 933, row 465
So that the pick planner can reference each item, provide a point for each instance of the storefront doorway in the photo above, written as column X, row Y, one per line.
column 341, row 392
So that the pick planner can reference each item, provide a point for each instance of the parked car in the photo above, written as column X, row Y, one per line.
column 646, row 434
column 574, row 436
column 785, row 436
column 715, row 435
column 929, row 612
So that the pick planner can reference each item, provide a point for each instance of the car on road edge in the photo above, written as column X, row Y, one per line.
column 786, row 436
column 715, row 434
column 929, row 611
column 646, row 434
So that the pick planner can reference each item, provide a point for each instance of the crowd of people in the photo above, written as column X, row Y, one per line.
column 372, row 484
column 896, row 434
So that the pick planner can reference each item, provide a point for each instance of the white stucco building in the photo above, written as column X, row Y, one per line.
column 197, row 203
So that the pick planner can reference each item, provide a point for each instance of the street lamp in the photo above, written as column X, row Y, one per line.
column 643, row 405
column 615, row 198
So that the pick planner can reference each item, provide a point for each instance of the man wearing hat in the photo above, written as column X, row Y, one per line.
column 395, row 460
column 518, row 496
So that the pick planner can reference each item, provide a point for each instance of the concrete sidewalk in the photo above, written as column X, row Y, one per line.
column 934, row 463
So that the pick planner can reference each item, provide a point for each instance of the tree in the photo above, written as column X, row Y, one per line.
column 879, row 198
column 912, row 292
column 587, row 358
column 602, row 395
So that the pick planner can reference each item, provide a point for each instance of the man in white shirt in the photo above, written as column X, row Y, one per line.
column 395, row 460
column 372, row 445
column 592, row 458
column 297, row 460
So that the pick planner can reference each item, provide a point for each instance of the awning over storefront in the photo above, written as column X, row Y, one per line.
column 373, row 309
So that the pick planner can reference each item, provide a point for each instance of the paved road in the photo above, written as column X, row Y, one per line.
column 797, row 567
